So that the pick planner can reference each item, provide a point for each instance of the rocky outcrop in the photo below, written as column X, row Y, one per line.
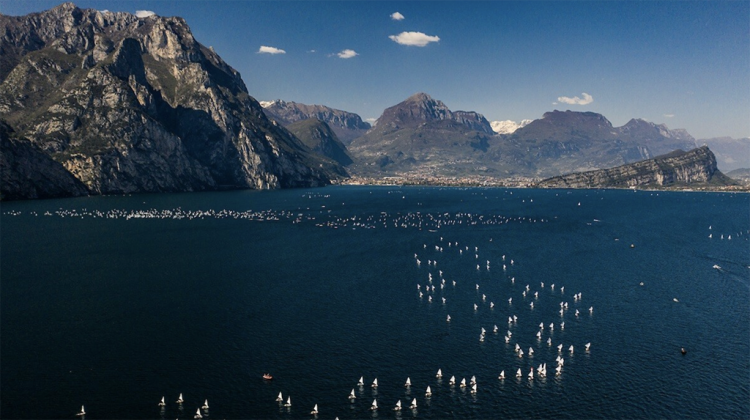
column 421, row 109
column 319, row 137
column 130, row 104
column 696, row 167
column 27, row 172
column 346, row 125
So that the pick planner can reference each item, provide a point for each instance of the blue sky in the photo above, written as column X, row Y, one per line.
column 685, row 64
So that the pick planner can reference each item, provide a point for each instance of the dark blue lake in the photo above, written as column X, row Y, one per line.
column 114, row 302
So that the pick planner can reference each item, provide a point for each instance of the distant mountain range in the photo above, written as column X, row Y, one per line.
column 421, row 135
column 508, row 126
column 129, row 104
column 694, row 168
column 346, row 125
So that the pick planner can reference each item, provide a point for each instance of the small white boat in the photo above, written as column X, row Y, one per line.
column 408, row 382
column 351, row 396
column 162, row 403
column 519, row 373
column 473, row 380
column 474, row 389
column 439, row 373
column 179, row 399
column 288, row 402
column 463, row 383
column 374, row 405
column 205, row 405
column 502, row 375
column 716, row 266
column 413, row 404
column 361, row 381
column 588, row 345
column 82, row 412
column 448, row 318
column 280, row 398
column 375, row 383
column 398, row 406
column 428, row 393
column 314, row 410
column 197, row 414
column 452, row 381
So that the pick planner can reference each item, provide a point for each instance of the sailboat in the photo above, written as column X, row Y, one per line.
column 474, row 389
column 502, row 375
column 452, row 381
column 82, row 412
column 288, row 402
column 361, row 381
column 205, row 405
column 439, row 373
column 408, row 383
column 197, row 414
column 179, row 399
column 162, row 403
column 375, row 383
column 352, row 396
column 280, row 398
column 463, row 382
column 413, row 404
column 374, row 405
column 398, row 406
column 315, row 409
column 429, row 392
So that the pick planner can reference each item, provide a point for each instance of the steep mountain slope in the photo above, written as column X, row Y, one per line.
column 130, row 104
column 421, row 133
column 696, row 167
column 27, row 172
column 319, row 137
column 346, row 125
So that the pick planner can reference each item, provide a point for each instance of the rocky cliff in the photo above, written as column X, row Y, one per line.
column 27, row 172
column 346, row 125
column 130, row 104
column 696, row 167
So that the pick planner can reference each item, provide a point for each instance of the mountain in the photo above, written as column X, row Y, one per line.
column 319, row 137
column 130, row 104
column 346, row 125
column 421, row 133
column 508, row 126
column 422, row 136
column 740, row 174
column 694, row 168
column 730, row 153
column 27, row 172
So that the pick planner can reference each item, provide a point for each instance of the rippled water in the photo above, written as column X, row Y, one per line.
column 112, row 302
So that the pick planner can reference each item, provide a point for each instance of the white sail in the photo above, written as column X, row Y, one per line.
column 361, row 381
column 413, row 403
column 279, row 398
column 375, row 383
column 288, row 402
column 429, row 392
column 315, row 409
column 398, row 406
column 162, row 403
column 205, row 405
column 82, row 412
column 408, row 382
column 374, row 405
column 352, row 396
column 197, row 414
column 439, row 373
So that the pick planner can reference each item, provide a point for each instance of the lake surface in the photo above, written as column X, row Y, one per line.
column 114, row 302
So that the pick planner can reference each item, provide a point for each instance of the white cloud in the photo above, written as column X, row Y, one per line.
column 417, row 39
column 312, row 51
column 144, row 13
column 270, row 50
column 669, row 115
column 347, row 54
column 397, row 16
column 587, row 99
column 371, row 121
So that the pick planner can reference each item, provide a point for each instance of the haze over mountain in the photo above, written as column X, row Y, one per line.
column 730, row 153
column 346, row 125
column 129, row 104
column 320, row 138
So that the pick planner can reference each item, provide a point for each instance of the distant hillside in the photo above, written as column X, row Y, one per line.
column 346, row 125
column 319, row 137
column 696, row 167
column 730, row 153
column 741, row 174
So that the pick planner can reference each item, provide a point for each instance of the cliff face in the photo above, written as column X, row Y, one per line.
column 130, row 104
column 27, row 172
column 697, row 166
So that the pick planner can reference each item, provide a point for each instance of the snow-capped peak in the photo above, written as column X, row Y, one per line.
column 507, row 126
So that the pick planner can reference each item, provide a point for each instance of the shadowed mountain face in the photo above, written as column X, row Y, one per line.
column 730, row 153
column 130, row 104
column 319, row 137
column 27, row 172
column 694, row 168
column 422, row 136
column 346, row 125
